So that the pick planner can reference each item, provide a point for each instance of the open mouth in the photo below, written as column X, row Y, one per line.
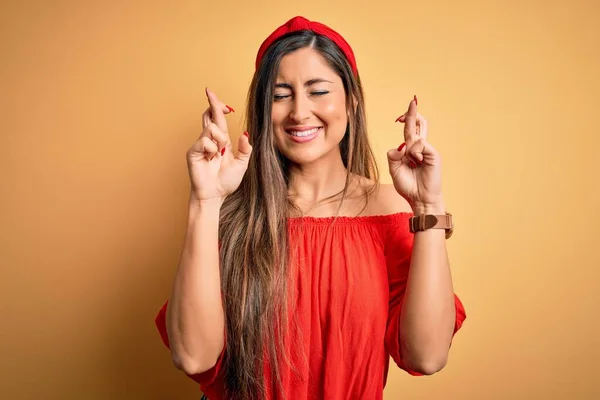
column 304, row 135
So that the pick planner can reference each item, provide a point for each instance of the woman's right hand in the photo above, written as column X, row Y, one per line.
column 214, row 170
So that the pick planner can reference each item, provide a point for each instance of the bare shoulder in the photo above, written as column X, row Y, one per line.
column 386, row 200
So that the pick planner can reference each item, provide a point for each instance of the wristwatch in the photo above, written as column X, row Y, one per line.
column 423, row 222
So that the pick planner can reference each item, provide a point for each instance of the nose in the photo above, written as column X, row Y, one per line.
column 301, row 110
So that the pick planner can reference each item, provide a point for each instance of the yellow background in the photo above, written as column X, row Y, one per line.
column 100, row 100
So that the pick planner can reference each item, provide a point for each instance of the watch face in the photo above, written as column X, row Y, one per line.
column 450, row 230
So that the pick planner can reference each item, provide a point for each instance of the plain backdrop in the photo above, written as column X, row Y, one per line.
column 99, row 101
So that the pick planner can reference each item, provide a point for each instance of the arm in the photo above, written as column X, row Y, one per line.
column 427, row 319
column 195, row 318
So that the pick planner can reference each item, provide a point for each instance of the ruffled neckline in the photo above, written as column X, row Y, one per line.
column 360, row 219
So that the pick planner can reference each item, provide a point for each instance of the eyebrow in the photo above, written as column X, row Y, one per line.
column 306, row 84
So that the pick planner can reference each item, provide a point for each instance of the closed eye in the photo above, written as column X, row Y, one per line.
column 284, row 96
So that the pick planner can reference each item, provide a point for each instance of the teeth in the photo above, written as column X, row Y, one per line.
column 303, row 133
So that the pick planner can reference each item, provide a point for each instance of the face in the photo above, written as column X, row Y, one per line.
column 309, row 107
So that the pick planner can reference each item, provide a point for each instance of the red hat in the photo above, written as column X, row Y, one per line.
column 301, row 24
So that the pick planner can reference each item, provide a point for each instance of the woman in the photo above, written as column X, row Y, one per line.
column 301, row 275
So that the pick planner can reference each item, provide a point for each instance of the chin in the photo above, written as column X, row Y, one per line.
column 306, row 156
column 320, row 147
column 302, row 159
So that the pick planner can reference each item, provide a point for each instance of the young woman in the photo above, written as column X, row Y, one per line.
column 300, row 275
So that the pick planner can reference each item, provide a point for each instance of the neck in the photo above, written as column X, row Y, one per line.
column 312, row 183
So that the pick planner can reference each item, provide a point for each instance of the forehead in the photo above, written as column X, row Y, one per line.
column 305, row 64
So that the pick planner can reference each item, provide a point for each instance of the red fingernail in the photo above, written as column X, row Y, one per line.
column 413, row 165
column 246, row 134
column 223, row 151
column 399, row 119
column 416, row 101
column 401, row 146
column 229, row 108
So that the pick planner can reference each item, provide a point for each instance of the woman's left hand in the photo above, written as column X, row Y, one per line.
column 415, row 166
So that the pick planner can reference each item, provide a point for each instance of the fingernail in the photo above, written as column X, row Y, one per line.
column 413, row 165
column 416, row 101
column 401, row 146
column 229, row 108
column 399, row 118
column 223, row 151
column 246, row 134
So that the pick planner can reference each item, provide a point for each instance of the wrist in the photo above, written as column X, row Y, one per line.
column 429, row 208
column 211, row 205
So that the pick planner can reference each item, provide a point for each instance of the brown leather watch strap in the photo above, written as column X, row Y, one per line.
column 420, row 223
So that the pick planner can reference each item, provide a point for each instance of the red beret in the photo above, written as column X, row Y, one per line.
column 301, row 24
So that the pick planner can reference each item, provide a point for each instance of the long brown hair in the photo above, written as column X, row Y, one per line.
column 253, row 225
